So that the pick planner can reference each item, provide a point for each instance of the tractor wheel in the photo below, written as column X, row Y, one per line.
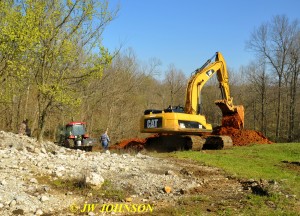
column 69, row 143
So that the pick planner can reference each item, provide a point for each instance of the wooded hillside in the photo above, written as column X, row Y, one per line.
column 54, row 69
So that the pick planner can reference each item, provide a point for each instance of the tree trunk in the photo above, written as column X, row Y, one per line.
column 41, row 128
column 263, row 116
column 254, row 115
column 278, row 117
column 44, row 107
column 292, row 108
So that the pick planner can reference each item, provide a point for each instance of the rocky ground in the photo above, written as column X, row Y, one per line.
column 45, row 179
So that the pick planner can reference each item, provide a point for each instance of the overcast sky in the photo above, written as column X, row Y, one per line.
column 186, row 33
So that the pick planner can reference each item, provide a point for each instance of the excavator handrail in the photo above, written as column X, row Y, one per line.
column 204, row 65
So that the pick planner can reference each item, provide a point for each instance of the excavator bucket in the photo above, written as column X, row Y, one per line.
column 232, row 116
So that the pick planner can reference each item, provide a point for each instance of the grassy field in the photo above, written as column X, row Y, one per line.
column 279, row 163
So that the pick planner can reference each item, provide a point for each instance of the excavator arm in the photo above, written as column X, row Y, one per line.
column 232, row 115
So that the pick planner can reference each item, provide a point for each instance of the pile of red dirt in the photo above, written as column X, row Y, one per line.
column 234, row 120
column 134, row 143
column 242, row 137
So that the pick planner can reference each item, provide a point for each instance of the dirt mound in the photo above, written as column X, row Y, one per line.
column 242, row 137
column 134, row 143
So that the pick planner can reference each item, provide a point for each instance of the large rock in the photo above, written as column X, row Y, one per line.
column 94, row 179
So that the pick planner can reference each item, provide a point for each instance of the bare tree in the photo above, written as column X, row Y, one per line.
column 118, row 99
column 175, row 82
column 259, row 81
column 294, row 71
column 273, row 42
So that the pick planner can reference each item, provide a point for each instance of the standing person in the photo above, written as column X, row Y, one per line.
column 105, row 140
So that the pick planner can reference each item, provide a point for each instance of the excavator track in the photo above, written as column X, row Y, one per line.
column 218, row 142
column 168, row 143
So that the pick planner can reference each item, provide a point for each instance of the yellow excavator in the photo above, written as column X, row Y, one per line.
column 185, row 128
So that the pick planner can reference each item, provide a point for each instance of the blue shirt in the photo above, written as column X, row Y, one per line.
column 104, row 138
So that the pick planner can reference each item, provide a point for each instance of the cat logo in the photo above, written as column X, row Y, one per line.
column 210, row 72
column 152, row 123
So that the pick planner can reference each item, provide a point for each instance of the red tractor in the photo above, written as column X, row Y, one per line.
column 74, row 136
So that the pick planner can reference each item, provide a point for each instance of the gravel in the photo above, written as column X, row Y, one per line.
column 24, row 163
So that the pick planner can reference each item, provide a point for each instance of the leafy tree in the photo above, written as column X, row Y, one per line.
column 58, row 49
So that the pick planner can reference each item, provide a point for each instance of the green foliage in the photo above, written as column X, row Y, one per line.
column 54, row 46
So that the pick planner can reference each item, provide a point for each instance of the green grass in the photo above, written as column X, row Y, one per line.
column 255, row 162
column 268, row 162
column 109, row 191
